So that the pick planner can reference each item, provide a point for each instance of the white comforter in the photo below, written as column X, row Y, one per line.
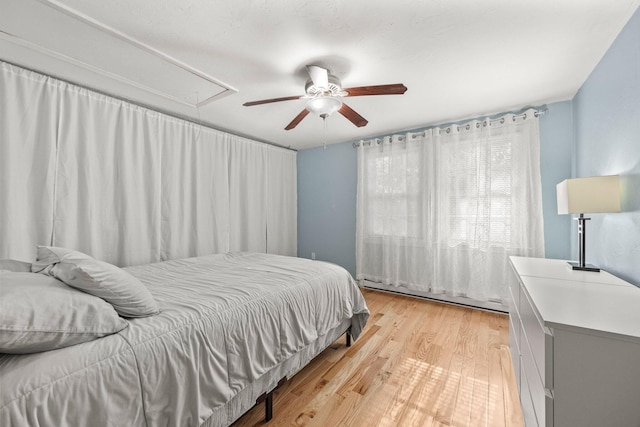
column 227, row 323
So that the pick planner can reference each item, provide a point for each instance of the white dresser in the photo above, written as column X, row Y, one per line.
column 575, row 345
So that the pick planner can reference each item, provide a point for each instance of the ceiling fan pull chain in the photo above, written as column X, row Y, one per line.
column 324, row 138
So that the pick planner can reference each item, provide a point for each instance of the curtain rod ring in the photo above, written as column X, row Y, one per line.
column 485, row 122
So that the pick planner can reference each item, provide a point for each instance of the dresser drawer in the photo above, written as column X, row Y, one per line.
column 514, row 302
column 514, row 333
column 514, row 293
column 542, row 399
column 514, row 347
column 539, row 338
column 528, row 413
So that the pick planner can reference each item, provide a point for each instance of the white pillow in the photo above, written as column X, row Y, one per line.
column 40, row 313
column 127, row 294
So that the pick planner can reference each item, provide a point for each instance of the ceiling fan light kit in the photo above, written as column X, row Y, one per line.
column 324, row 106
column 325, row 94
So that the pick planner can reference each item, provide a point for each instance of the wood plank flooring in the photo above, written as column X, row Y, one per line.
column 417, row 363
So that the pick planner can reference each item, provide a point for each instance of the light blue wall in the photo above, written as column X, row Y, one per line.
column 607, row 135
column 556, row 151
column 327, row 193
column 327, row 204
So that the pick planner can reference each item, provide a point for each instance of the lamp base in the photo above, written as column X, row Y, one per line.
column 586, row 267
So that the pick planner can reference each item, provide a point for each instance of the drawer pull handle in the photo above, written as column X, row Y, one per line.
column 548, row 393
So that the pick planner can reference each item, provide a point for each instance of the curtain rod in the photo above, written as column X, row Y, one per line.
column 148, row 107
column 537, row 112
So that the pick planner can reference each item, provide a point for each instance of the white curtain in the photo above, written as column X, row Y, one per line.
column 107, row 197
column 27, row 165
column 440, row 211
column 195, row 191
column 282, row 226
column 263, row 198
column 129, row 185
column 248, row 197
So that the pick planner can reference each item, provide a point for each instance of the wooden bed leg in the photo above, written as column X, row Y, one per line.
column 348, row 339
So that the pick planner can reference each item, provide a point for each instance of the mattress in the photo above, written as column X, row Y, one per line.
column 230, row 326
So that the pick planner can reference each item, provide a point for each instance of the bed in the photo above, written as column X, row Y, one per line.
column 230, row 328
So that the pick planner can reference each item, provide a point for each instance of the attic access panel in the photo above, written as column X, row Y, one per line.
column 49, row 28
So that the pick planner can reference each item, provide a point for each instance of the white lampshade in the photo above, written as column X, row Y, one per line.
column 324, row 106
column 597, row 194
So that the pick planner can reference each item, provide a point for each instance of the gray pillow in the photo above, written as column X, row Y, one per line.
column 40, row 313
column 14, row 265
column 127, row 294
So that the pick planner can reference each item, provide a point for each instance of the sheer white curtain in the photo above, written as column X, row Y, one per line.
column 129, row 185
column 440, row 211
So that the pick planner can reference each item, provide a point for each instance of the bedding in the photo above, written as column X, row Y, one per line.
column 15, row 265
column 124, row 292
column 230, row 327
column 40, row 313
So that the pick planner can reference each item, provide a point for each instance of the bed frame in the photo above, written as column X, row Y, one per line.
column 267, row 398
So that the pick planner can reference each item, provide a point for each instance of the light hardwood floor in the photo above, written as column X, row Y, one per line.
column 417, row 363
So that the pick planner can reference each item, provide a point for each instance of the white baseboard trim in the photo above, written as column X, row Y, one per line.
column 463, row 301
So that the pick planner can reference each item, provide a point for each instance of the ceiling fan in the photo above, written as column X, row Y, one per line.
column 324, row 93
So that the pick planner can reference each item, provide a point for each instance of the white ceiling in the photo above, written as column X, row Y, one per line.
column 459, row 59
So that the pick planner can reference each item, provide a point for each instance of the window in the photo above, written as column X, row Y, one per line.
column 441, row 211
column 477, row 186
column 394, row 194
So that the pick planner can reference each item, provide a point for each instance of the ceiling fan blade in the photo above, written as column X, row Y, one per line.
column 352, row 116
column 297, row 119
column 394, row 89
column 267, row 101
column 319, row 76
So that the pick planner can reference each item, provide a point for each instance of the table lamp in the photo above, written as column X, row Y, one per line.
column 597, row 194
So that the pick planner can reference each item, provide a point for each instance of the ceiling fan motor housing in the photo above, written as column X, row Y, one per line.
column 334, row 89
